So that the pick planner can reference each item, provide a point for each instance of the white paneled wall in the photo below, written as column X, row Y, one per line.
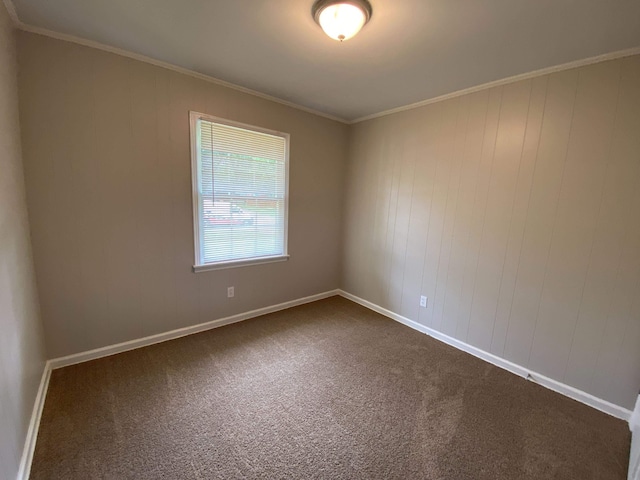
column 516, row 211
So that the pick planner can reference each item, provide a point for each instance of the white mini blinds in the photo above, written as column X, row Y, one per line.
column 239, row 193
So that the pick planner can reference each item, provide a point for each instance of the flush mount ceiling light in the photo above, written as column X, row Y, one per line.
column 341, row 19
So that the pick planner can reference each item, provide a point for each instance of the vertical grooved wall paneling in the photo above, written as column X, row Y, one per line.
column 516, row 211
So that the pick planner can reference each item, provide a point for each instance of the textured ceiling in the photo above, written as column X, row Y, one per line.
column 412, row 50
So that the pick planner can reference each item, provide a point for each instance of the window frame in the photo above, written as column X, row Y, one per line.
column 198, row 265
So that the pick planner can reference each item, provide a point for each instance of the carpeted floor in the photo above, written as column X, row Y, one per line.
column 326, row 390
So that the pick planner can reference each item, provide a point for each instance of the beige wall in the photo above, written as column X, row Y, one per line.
column 21, row 347
column 107, row 165
column 516, row 210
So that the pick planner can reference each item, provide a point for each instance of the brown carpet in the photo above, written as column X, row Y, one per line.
column 326, row 390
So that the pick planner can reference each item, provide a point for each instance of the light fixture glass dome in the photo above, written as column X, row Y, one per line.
column 341, row 20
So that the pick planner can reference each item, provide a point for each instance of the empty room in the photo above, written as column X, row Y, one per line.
column 320, row 239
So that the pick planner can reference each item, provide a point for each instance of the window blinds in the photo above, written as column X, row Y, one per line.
column 241, row 189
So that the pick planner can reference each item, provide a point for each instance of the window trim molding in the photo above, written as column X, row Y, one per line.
column 205, row 267
column 195, row 194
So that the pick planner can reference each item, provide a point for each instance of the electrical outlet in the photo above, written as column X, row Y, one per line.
column 230, row 292
column 423, row 301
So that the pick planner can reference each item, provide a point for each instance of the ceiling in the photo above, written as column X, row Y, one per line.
column 412, row 50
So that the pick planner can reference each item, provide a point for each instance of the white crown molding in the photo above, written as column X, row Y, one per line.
column 504, row 81
column 562, row 388
column 13, row 15
column 143, row 58
column 158, row 63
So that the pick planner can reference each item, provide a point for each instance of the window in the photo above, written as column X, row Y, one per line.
column 240, row 193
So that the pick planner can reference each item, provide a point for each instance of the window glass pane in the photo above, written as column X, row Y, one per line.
column 241, row 192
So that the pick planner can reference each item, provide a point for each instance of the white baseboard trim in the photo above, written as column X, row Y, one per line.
column 634, row 456
column 34, row 424
column 571, row 392
column 634, row 421
column 181, row 332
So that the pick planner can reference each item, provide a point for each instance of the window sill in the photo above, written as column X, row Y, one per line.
column 239, row 263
